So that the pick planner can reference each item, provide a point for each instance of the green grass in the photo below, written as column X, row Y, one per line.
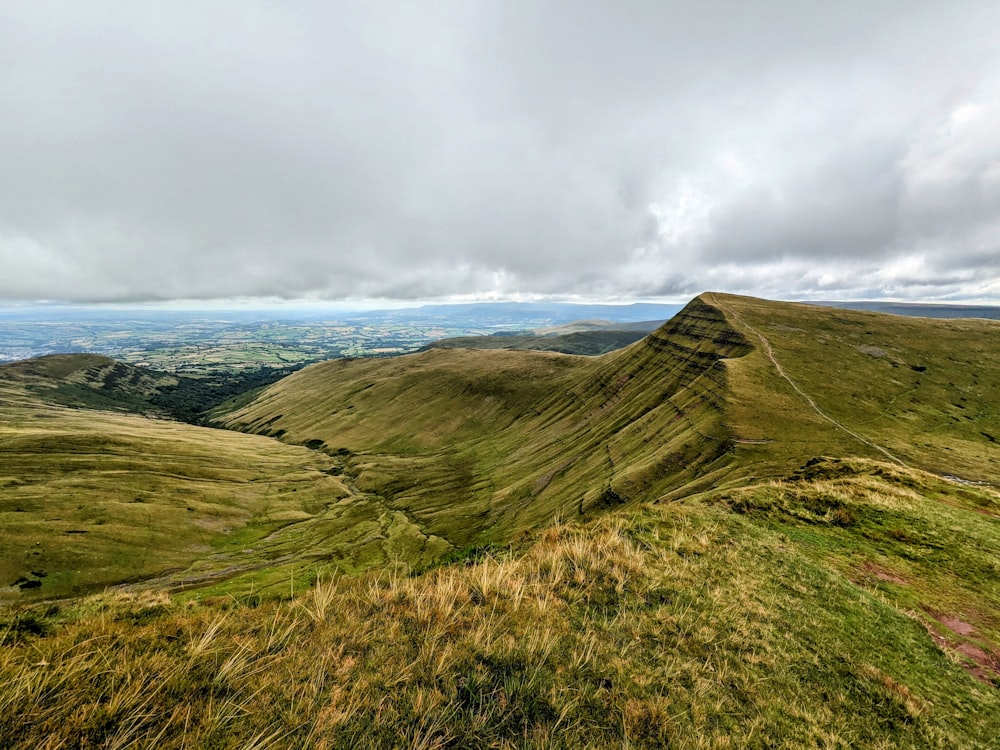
column 90, row 499
column 418, row 455
column 589, row 343
column 87, row 381
column 926, row 545
column 778, row 528
column 480, row 446
column 925, row 390
column 686, row 625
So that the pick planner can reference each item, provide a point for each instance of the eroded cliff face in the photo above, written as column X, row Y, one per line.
column 658, row 408
column 700, row 332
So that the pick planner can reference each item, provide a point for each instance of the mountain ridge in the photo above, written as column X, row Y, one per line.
column 562, row 410
column 443, row 450
column 555, row 422
column 765, row 524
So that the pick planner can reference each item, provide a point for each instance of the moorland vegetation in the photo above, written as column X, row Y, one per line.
column 764, row 524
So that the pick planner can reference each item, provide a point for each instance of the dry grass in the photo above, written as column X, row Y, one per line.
column 90, row 499
column 677, row 626
column 831, row 608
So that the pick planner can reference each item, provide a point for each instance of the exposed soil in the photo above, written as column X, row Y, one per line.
column 954, row 624
column 883, row 573
column 981, row 663
column 985, row 666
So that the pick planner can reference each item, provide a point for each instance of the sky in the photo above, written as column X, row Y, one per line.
column 498, row 149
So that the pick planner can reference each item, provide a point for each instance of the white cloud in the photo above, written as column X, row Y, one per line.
column 498, row 149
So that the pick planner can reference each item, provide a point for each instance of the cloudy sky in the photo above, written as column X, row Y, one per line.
column 461, row 149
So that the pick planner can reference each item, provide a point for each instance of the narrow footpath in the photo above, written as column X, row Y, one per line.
column 769, row 352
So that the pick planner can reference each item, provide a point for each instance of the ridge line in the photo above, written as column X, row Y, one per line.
column 769, row 352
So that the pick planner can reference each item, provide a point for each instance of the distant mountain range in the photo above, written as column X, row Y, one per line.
column 920, row 309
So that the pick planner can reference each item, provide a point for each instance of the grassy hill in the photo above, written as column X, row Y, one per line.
column 917, row 391
column 589, row 343
column 793, row 614
column 90, row 381
column 585, row 326
column 763, row 525
column 588, row 337
column 479, row 445
column 91, row 497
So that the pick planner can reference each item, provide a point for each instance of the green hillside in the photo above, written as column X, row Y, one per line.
column 842, row 609
column 916, row 391
column 763, row 525
column 586, row 337
column 90, row 381
column 94, row 497
column 479, row 445
column 589, row 343
column 596, row 326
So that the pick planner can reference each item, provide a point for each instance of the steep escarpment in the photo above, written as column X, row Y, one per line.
column 478, row 445
column 655, row 412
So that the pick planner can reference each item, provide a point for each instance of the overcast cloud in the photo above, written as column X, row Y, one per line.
column 499, row 148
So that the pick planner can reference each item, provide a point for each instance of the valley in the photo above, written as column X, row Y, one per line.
column 207, row 343
column 765, row 520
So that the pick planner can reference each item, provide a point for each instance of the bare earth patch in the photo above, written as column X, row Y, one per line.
column 883, row 573
column 985, row 667
column 873, row 351
column 954, row 624
column 982, row 664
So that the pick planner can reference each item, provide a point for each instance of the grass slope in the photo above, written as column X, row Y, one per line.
column 738, row 619
column 824, row 574
column 92, row 498
column 87, row 381
column 90, row 381
column 922, row 392
column 589, row 343
column 416, row 457
column 583, row 326
column 478, row 446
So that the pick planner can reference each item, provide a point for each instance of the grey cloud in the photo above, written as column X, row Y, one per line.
column 845, row 206
column 419, row 150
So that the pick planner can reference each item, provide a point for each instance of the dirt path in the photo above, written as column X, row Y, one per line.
column 769, row 352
